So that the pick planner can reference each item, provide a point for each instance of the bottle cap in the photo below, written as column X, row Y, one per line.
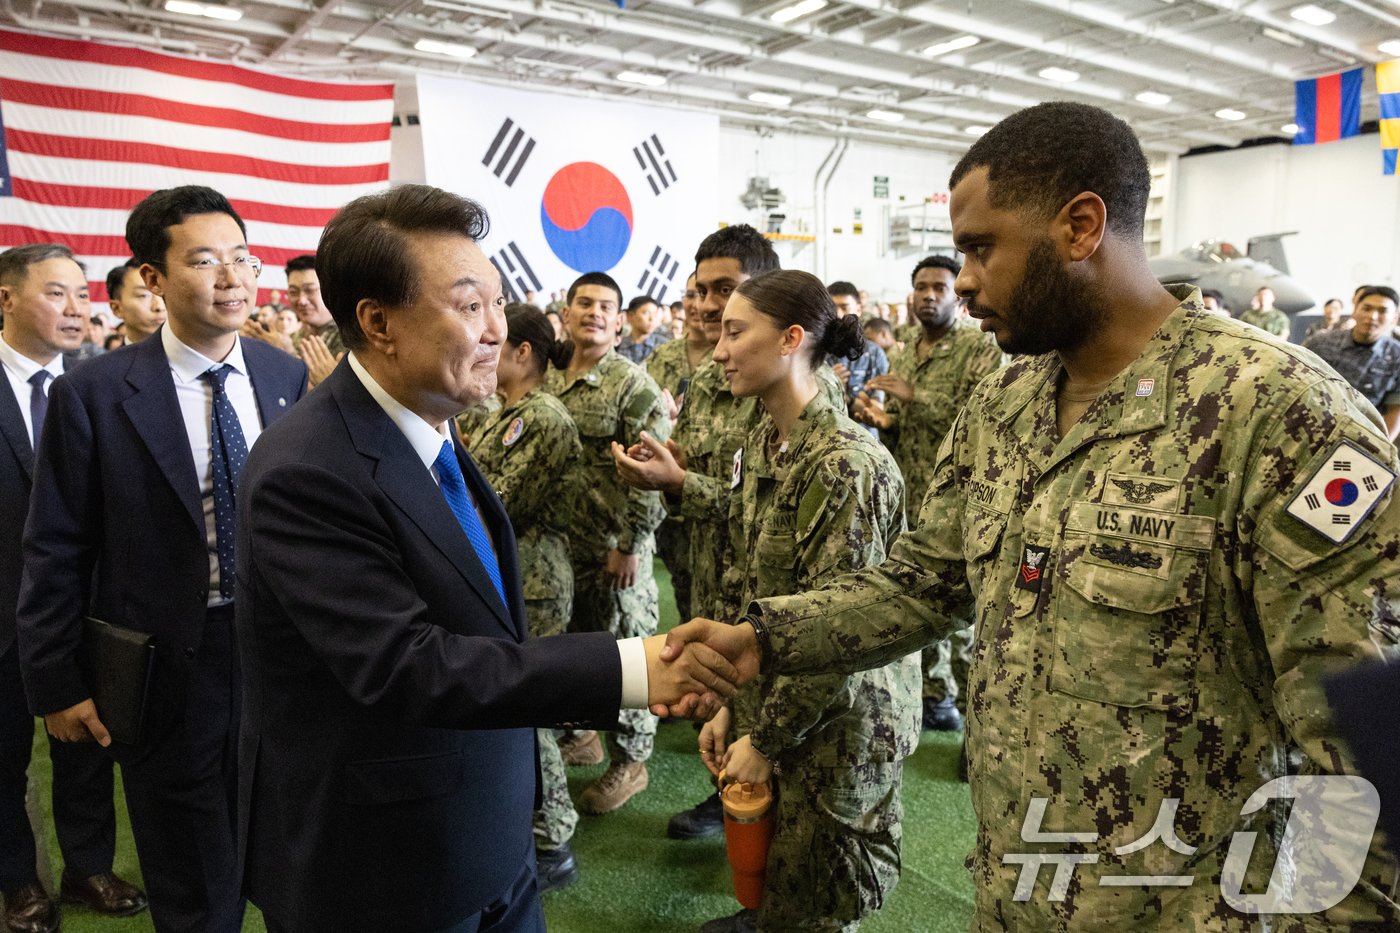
column 744, row 801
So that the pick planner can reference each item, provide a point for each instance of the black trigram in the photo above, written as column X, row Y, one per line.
column 660, row 266
column 516, row 275
column 1370, row 484
column 657, row 168
column 1341, row 466
column 1340, row 519
column 1312, row 500
column 514, row 148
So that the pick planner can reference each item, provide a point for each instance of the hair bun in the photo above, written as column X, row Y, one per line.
column 560, row 352
column 845, row 338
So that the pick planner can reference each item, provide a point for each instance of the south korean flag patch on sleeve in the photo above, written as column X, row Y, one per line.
column 1343, row 491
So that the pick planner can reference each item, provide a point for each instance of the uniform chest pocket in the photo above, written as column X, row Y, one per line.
column 1129, row 587
column 775, row 560
column 595, row 421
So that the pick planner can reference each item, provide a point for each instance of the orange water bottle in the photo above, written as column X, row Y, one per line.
column 748, row 831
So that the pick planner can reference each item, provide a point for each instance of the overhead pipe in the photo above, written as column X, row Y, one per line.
column 821, row 182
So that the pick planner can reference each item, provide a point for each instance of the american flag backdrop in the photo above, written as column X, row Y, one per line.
column 90, row 129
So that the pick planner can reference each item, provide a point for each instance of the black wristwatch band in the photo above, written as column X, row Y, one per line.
column 760, row 631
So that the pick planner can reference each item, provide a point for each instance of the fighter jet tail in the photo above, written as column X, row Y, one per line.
column 1269, row 248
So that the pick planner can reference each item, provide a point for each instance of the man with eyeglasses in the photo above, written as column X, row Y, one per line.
column 1366, row 354
column 131, row 522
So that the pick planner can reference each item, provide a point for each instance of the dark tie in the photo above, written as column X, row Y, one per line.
column 38, row 402
column 454, row 490
column 228, row 451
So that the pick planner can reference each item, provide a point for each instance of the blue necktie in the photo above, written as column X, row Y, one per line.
column 454, row 490
column 228, row 451
column 38, row 402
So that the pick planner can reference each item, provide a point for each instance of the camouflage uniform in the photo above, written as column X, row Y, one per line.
column 712, row 426
column 1176, row 636
column 515, row 446
column 470, row 422
column 639, row 351
column 832, row 501
column 1273, row 321
column 942, row 380
column 329, row 332
column 614, row 401
column 670, row 367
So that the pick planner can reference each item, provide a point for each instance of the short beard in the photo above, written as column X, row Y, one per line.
column 1050, row 310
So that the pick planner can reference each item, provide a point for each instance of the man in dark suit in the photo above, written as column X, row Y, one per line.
column 131, row 522
column 388, row 771
column 44, row 297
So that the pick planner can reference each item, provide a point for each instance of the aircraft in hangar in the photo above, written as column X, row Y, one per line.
column 1216, row 264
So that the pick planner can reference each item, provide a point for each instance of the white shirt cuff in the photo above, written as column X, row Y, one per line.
column 634, row 673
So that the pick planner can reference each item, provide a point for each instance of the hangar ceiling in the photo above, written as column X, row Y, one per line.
column 928, row 73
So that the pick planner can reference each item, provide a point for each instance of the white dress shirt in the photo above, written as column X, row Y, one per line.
column 196, row 398
column 426, row 441
column 19, row 369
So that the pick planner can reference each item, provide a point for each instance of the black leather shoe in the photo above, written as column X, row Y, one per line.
column 941, row 715
column 105, row 893
column 745, row 921
column 29, row 910
column 555, row 868
column 704, row 819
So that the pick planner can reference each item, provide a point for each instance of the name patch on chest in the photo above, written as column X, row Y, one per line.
column 1174, row 528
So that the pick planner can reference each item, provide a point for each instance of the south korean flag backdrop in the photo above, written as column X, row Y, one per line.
column 575, row 185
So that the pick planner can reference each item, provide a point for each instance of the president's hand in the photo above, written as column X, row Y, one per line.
column 736, row 643
column 693, row 686
column 651, row 465
column 78, row 723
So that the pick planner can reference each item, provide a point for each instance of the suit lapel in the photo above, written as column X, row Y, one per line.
column 401, row 475
column 155, row 414
column 12, row 427
column 271, row 405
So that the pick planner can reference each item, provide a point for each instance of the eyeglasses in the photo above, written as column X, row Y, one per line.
column 245, row 265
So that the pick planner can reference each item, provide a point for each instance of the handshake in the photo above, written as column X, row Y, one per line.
column 696, row 667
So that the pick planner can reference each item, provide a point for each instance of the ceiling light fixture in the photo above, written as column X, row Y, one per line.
column 1230, row 114
column 976, row 130
column 1058, row 75
column 953, row 45
column 644, row 78
column 211, row 10
column 1154, row 98
column 1390, row 48
column 453, row 49
column 789, row 13
column 885, row 116
column 1287, row 38
column 1312, row 15
column 1289, row 129
column 767, row 97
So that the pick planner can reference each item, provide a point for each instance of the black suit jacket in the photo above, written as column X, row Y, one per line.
column 116, row 523
column 16, row 479
column 1366, row 707
column 386, row 775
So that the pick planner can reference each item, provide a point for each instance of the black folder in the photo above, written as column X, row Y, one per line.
column 117, row 664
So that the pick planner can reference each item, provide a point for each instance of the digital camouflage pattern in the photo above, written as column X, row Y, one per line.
column 712, row 426
column 835, row 855
column 469, row 422
column 942, row 378
column 556, row 818
column 514, row 446
column 1274, row 321
column 1174, row 642
column 614, row 401
column 831, row 501
column 1372, row 369
column 670, row 367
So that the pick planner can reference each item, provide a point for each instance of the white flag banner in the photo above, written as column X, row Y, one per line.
column 575, row 185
